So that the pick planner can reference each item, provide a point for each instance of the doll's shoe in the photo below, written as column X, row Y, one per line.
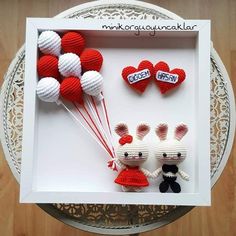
column 163, row 187
column 175, row 187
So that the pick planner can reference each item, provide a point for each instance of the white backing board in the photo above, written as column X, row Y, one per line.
column 65, row 168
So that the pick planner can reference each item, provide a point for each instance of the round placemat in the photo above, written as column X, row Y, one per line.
column 117, row 219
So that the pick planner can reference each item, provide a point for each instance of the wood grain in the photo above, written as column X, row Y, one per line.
column 29, row 220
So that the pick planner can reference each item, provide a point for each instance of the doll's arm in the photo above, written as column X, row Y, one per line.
column 120, row 164
column 146, row 172
column 156, row 173
column 183, row 175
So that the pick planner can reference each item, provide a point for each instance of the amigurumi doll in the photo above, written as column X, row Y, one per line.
column 131, row 154
column 170, row 152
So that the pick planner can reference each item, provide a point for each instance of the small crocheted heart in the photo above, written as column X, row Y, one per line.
column 167, row 79
column 139, row 78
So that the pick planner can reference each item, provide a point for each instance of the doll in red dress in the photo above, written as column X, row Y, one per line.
column 131, row 154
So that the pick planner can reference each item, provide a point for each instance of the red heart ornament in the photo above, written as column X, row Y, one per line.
column 167, row 79
column 138, row 79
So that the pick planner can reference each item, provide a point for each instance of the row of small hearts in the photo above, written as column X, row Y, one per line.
column 165, row 79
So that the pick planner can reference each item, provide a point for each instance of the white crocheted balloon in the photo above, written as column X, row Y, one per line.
column 49, row 42
column 48, row 89
column 92, row 83
column 69, row 65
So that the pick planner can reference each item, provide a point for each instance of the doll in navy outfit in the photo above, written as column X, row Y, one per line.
column 170, row 152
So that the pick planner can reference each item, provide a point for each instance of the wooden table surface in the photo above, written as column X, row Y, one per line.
column 30, row 220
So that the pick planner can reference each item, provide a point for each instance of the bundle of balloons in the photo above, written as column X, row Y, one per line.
column 69, row 71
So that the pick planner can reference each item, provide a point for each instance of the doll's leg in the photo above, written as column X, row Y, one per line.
column 137, row 189
column 163, row 187
column 127, row 189
column 175, row 187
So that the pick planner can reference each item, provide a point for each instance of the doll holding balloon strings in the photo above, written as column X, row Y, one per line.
column 69, row 71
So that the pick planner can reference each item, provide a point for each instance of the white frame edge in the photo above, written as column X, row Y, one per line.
column 27, row 193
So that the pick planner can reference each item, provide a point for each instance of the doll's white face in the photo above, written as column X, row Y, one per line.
column 133, row 154
column 170, row 152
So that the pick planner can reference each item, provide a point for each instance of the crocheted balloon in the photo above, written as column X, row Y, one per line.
column 71, row 90
column 167, row 79
column 47, row 66
column 91, row 59
column 92, row 83
column 73, row 42
column 69, row 65
column 49, row 42
column 48, row 89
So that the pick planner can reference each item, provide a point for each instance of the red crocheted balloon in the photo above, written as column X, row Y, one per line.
column 91, row 59
column 73, row 42
column 47, row 66
column 138, row 79
column 71, row 90
column 166, row 84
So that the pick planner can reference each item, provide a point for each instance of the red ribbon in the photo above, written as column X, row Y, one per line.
column 125, row 139
column 112, row 165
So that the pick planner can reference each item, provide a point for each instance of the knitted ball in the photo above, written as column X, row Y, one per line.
column 47, row 66
column 48, row 89
column 73, row 42
column 92, row 83
column 91, row 59
column 69, row 65
column 49, row 42
column 71, row 90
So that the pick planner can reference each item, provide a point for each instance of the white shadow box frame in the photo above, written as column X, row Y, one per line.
column 58, row 163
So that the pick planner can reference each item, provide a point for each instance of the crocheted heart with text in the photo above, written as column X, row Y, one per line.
column 167, row 79
column 139, row 78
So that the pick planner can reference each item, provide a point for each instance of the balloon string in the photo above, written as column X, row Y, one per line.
column 91, row 119
column 108, row 122
column 100, row 124
column 75, row 118
column 90, row 126
column 107, row 118
column 95, row 107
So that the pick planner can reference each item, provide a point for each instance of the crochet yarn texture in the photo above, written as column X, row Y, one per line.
column 48, row 89
column 170, row 153
column 138, row 79
column 131, row 154
column 69, row 65
column 92, row 83
column 49, row 42
column 169, row 80
column 47, row 66
column 91, row 59
column 73, row 42
column 71, row 90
